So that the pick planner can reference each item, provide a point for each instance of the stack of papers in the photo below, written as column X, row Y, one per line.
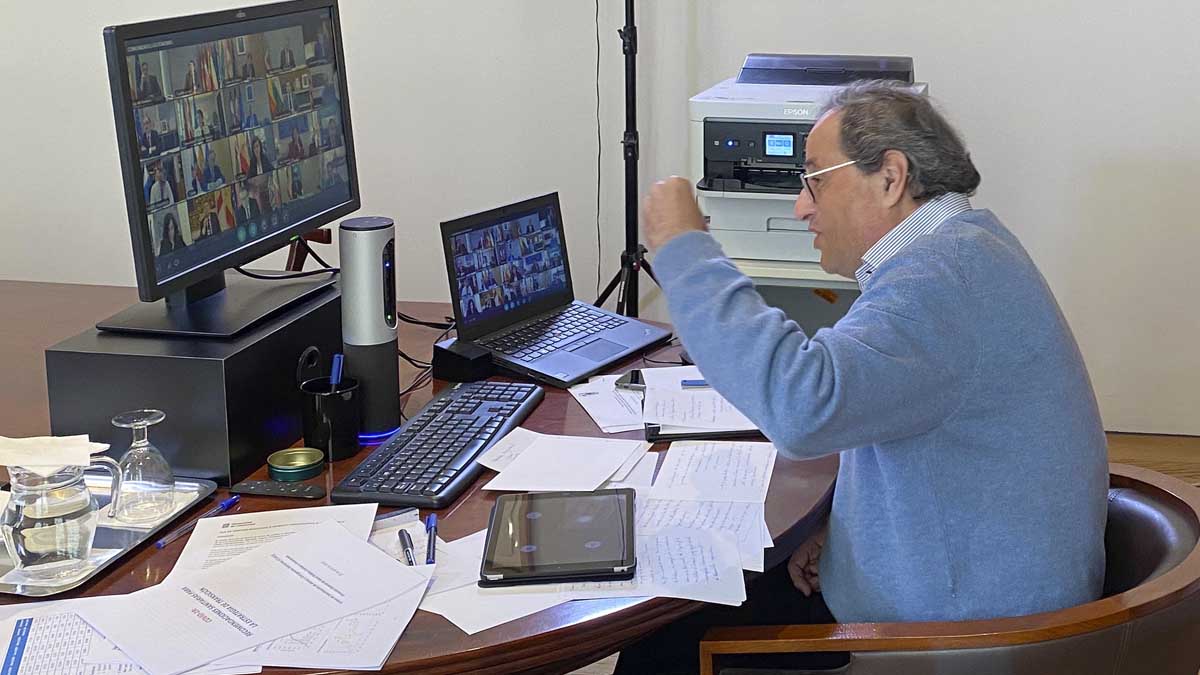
column 529, row 461
column 698, row 526
column 298, row 588
column 665, row 403
column 714, row 486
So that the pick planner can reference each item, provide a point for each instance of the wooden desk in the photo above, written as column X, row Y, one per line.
column 558, row 639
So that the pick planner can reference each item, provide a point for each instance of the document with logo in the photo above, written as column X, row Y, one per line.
column 304, row 580
column 221, row 538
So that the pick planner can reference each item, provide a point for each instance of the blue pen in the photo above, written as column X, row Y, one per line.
column 431, row 531
column 225, row 505
column 335, row 374
column 693, row 384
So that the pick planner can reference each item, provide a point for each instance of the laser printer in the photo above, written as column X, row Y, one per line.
column 747, row 135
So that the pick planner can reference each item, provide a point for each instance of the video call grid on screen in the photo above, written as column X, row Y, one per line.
column 502, row 266
column 239, row 134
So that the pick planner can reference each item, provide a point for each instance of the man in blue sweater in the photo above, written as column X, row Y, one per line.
column 973, row 467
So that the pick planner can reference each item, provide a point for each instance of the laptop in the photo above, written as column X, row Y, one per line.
column 510, row 285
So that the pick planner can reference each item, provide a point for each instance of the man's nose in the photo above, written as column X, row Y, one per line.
column 805, row 207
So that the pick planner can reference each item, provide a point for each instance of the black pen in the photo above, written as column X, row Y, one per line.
column 406, row 543
column 431, row 531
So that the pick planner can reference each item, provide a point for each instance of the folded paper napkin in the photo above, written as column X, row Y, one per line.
column 46, row 455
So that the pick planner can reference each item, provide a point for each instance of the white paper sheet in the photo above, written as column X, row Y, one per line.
column 458, row 564
column 695, row 409
column 716, row 471
column 475, row 609
column 669, row 377
column 61, row 643
column 677, row 562
column 642, row 475
column 509, row 447
column 743, row 520
column 221, row 538
column 613, row 410
column 309, row 578
column 575, row 463
column 630, row 464
column 361, row 641
column 358, row 641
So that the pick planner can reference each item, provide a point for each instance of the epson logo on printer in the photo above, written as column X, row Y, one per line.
column 800, row 111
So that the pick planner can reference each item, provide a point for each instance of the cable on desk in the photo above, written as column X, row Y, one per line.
column 421, row 322
column 313, row 253
column 677, row 362
column 291, row 275
column 412, row 361
column 599, row 153
column 423, row 378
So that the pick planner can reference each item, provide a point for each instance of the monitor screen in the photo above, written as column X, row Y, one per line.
column 241, row 134
column 503, row 265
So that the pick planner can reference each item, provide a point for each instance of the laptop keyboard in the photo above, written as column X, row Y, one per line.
column 533, row 341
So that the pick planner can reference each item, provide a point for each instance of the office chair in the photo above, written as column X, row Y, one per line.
column 1147, row 623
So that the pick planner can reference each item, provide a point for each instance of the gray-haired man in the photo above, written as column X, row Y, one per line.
column 973, row 469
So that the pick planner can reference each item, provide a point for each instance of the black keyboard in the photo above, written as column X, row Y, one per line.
column 430, row 460
column 538, row 338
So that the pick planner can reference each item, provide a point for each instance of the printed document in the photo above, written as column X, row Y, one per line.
column 360, row 641
column 304, row 580
column 221, row 538
column 716, row 471
column 613, row 410
column 61, row 643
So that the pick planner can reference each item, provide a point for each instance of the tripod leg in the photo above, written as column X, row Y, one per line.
column 612, row 285
column 621, row 299
column 649, row 272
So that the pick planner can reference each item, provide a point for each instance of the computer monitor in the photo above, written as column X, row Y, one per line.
column 234, row 135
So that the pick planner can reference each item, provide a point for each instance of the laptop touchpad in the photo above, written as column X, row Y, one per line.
column 598, row 350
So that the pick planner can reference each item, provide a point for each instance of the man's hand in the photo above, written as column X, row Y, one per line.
column 669, row 211
column 802, row 566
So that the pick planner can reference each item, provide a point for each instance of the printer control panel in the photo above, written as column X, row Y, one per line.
column 754, row 156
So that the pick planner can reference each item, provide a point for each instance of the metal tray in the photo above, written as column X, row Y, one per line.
column 121, row 539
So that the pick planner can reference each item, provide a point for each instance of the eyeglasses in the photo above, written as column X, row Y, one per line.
column 806, row 177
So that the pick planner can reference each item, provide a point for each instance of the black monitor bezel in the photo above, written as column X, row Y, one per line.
column 501, row 213
column 115, row 38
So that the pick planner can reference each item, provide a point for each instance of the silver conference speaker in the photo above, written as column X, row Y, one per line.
column 368, row 278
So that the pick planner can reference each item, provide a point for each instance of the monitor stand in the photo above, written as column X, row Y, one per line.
column 218, row 307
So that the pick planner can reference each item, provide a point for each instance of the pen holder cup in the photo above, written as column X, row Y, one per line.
column 332, row 419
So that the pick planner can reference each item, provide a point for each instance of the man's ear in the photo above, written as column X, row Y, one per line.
column 894, row 175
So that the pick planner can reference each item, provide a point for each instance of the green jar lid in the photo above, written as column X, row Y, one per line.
column 295, row 464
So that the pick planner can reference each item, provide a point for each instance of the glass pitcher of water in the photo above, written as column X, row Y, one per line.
column 50, row 520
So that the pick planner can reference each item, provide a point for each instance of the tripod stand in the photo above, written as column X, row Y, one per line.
column 633, row 257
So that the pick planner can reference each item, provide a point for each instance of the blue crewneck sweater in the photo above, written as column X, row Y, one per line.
column 973, row 470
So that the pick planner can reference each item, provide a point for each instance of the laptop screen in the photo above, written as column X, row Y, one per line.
column 507, row 260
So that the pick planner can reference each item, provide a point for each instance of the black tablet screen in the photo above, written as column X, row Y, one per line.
column 541, row 531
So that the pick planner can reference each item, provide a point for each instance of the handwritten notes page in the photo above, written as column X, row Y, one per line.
column 717, row 471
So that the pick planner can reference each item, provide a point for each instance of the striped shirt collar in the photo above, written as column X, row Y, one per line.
column 924, row 220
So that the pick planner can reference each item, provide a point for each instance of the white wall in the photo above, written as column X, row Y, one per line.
column 1080, row 115
column 457, row 107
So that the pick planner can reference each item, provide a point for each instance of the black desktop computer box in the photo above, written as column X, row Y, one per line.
column 229, row 402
